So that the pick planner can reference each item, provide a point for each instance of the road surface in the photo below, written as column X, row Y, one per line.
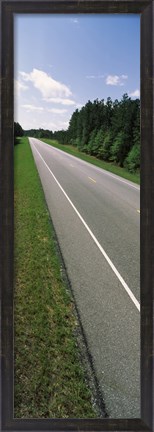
column 96, row 217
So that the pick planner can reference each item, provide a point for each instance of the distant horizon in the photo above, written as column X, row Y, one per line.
column 62, row 61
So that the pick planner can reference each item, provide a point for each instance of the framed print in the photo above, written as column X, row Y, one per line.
column 91, row 341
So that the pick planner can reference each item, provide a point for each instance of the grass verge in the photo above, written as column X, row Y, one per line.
column 49, row 380
column 108, row 166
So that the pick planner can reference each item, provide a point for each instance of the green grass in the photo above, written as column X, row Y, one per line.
column 49, row 379
column 108, row 166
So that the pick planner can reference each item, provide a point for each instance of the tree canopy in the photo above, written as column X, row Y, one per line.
column 107, row 130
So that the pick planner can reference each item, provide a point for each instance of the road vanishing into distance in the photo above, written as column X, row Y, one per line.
column 96, row 216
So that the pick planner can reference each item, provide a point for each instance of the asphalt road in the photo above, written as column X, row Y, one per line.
column 96, row 217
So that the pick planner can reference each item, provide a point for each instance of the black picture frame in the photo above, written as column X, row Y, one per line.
column 146, row 10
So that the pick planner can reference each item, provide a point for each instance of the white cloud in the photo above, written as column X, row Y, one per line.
column 57, row 110
column 112, row 80
column 90, row 76
column 57, row 125
column 124, row 77
column 32, row 108
column 19, row 86
column 94, row 76
column 49, row 87
column 136, row 93
column 49, row 125
column 63, row 125
column 51, row 107
column 75, row 20
column 60, row 101
column 116, row 80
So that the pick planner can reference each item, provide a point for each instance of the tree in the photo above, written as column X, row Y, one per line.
column 87, row 124
column 136, row 129
column 107, row 130
column 104, row 151
column 98, row 142
column 72, row 129
column 132, row 161
column 118, row 148
column 91, row 147
column 108, row 113
column 18, row 132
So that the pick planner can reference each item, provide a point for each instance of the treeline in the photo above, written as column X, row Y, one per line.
column 39, row 133
column 36, row 133
column 109, row 131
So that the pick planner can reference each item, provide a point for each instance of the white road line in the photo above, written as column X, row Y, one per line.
column 116, row 177
column 122, row 181
column 129, row 292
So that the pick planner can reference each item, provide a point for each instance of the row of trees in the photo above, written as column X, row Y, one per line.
column 18, row 132
column 39, row 133
column 109, row 131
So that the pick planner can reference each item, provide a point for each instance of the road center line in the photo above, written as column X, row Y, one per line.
column 127, row 289
column 92, row 179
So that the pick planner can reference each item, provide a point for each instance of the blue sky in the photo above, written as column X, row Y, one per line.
column 62, row 61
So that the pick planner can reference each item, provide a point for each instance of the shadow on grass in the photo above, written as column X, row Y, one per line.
column 18, row 140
